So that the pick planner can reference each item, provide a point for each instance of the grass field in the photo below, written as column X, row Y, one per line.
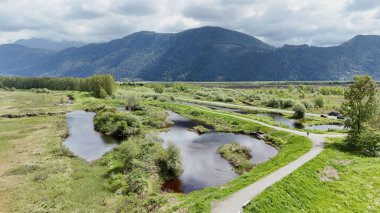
column 37, row 176
column 335, row 181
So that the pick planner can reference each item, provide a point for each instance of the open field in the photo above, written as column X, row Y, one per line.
column 37, row 175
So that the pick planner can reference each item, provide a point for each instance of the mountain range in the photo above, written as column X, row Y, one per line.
column 201, row 54
column 47, row 44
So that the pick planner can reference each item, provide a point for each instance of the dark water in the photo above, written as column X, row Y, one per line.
column 83, row 140
column 202, row 165
column 281, row 119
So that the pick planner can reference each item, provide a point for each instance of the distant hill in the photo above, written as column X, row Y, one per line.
column 47, row 44
column 208, row 54
column 15, row 57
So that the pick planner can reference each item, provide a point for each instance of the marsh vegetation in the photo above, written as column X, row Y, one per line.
column 164, row 145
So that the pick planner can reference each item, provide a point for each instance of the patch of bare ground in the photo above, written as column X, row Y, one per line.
column 329, row 174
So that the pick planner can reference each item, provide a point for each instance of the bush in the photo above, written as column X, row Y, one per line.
column 158, row 88
column 137, row 182
column 171, row 163
column 200, row 129
column 228, row 100
column 155, row 117
column 287, row 103
column 307, row 104
column 299, row 111
column 274, row 103
column 132, row 104
column 118, row 183
column 102, row 93
column 120, row 124
column 369, row 142
column 319, row 102
column 145, row 164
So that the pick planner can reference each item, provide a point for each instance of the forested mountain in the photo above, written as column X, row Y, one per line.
column 203, row 54
column 47, row 44
column 15, row 57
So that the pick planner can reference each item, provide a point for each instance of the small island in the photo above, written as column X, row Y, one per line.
column 237, row 155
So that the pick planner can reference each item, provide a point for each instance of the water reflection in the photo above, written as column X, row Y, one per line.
column 202, row 165
column 83, row 140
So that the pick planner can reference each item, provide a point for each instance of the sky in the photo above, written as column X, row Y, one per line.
column 277, row 22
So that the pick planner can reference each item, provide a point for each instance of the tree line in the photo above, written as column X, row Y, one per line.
column 99, row 85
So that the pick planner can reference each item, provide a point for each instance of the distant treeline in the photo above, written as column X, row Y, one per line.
column 99, row 85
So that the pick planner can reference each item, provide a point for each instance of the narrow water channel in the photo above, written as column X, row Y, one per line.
column 203, row 167
column 281, row 119
column 83, row 140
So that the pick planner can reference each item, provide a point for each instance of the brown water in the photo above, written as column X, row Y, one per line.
column 83, row 140
column 203, row 167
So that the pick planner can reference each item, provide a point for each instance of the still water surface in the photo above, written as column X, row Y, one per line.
column 83, row 140
column 203, row 167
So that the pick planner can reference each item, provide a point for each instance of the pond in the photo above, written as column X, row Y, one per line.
column 83, row 140
column 202, row 166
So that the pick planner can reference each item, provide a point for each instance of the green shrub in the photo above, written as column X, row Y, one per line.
column 228, row 100
column 287, row 103
column 307, row 104
column 171, row 163
column 274, row 103
column 366, row 142
column 155, row 117
column 158, row 88
column 200, row 129
column 120, row 124
column 145, row 165
column 137, row 182
column 133, row 104
column 102, row 93
column 118, row 182
column 299, row 111
column 319, row 102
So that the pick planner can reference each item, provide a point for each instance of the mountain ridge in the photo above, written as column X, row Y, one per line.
column 208, row 54
column 40, row 43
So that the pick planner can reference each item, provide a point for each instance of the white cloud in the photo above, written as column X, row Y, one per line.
column 278, row 22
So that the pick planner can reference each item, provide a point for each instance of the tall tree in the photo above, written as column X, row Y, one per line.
column 361, row 103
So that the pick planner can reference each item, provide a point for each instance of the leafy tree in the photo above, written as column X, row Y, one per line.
column 93, row 84
column 361, row 107
column 361, row 103
column 299, row 111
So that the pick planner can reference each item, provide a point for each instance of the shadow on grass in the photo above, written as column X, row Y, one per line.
column 344, row 147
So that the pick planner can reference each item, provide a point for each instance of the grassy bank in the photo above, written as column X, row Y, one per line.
column 335, row 181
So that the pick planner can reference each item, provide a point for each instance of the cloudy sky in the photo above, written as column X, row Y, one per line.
column 278, row 22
